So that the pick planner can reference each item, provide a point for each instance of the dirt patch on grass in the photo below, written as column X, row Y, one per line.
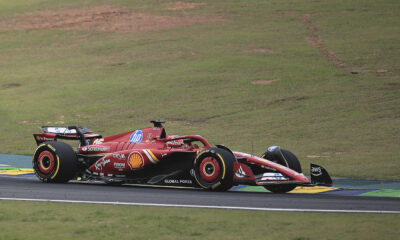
column 265, row 50
column 178, row 6
column 265, row 82
column 107, row 18
column 10, row 85
column 315, row 40
column 316, row 156
column 348, row 10
column 382, row 71
column 325, row 155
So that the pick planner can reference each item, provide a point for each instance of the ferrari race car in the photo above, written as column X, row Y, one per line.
column 149, row 156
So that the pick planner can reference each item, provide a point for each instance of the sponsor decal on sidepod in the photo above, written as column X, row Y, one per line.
column 119, row 166
column 95, row 149
column 101, row 163
column 119, row 156
column 136, row 136
column 135, row 160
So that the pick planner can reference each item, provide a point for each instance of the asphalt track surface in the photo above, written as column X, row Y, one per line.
column 17, row 188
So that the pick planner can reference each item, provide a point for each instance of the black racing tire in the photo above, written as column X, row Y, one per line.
column 55, row 162
column 213, row 169
column 290, row 161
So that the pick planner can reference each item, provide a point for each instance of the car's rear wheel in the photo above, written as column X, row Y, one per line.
column 55, row 162
column 290, row 160
column 213, row 169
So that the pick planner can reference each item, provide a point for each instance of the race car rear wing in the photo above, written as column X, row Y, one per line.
column 52, row 133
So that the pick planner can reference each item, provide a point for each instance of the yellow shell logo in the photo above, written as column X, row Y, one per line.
column 136, row 160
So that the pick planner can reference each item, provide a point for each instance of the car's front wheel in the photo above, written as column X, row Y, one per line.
column 289, row 160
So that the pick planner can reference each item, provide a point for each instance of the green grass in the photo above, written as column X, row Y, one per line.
column 198, row 78
column 34, row 220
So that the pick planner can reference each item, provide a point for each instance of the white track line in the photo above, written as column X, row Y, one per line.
column 205, row 206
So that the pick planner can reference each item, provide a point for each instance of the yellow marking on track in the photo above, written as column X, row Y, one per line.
column 315, row 189
column 17, row 171
column 4, row 165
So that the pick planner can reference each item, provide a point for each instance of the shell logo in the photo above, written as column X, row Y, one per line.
column 135, row 160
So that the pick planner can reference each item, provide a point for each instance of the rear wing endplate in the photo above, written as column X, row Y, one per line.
column 319, row 176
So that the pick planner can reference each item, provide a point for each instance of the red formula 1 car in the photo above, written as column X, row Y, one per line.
column 149, row 156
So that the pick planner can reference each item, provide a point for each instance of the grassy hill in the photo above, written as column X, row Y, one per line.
column 320, row 78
